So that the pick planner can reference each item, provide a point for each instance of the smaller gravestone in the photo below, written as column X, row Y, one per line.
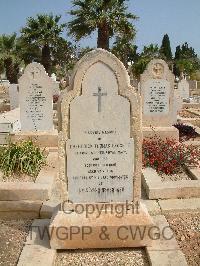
column 183, row 87
column 35, row 98
column 192, row 85
column 13, row 96
column 178, row 100
column 9, row 123
column 158, row 108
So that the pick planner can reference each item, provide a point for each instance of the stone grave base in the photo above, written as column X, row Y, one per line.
column 162, row 132
column 156, row 189
column 42, row 138
column 191, row 105
column 4, row 138
column 72, row 230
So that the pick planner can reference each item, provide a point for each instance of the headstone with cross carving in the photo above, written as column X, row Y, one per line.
column 35, row 99
column 100, row 150
column 158, row 109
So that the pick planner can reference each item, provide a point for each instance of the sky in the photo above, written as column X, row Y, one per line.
column 180, row 19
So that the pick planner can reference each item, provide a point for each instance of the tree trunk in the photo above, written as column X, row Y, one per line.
column 12, row 70
column 46, row 58
column 103, row 36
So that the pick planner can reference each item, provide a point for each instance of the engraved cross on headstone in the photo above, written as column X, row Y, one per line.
column 99, row 94
column 33, row 74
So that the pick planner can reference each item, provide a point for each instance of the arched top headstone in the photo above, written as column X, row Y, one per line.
column 101, row 112
column 35, row 99
column 104, row 68
column 157, row 90
column 157, row 69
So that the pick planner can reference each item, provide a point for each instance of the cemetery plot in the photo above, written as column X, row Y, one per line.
column 100, row 151
column 157, row 189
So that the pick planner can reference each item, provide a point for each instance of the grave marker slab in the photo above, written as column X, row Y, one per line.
column 100, row 149
column 13, row 96
column 35, row 96
column 184, row 86
column 158, row 99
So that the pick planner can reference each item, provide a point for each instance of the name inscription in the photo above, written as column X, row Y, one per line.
column 156, row 98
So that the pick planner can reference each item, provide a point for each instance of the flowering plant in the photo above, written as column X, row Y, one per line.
column 169, row 156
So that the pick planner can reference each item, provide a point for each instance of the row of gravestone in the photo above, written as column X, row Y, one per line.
column 156, row 86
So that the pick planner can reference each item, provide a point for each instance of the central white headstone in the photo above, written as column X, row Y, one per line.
column 35, row 96
column 100, row 152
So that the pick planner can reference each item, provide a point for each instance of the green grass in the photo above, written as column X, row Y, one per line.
column 21, row 158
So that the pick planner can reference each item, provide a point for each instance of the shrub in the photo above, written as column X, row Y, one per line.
column 21, row 158
column 169, row 156
column 186, row 132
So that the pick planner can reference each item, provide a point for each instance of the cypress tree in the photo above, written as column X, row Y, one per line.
column 165, row 48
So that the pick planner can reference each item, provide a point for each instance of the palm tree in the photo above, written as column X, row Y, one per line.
column 108, row 17
column 8, row 56
column 44, row 32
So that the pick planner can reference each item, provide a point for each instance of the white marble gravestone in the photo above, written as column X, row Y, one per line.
column 100, row 151
column 157, row 90
column 35, row 98
column 100, row 133
column 178, row 100
column 13, row 96
column 159, row 110
column 184, row 86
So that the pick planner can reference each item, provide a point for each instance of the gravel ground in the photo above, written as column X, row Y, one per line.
column 186, row 227
column 187, row 114
column 106, row 257
column 16, row 178
column 13, row 235
column 196, row 123
column 175, row 177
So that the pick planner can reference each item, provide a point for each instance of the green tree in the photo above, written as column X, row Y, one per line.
column 186, row 60
column 8, row 56
column 125, row 49
column 44, row 32
column 63, row 57
column 108, row 17
column 149, row 52
column 28, row 52
column 165, row 49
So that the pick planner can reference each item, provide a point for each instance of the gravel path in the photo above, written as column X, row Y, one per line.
column 12, row 237
column 106, row 257
column 187, row 231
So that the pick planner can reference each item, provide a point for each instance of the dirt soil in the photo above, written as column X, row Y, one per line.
column 186, row 227
column 13, row 236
